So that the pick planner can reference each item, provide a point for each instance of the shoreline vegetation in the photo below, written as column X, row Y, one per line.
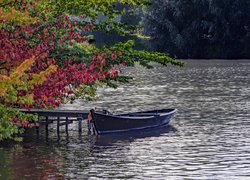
column 46, row 57
column 216, row 59
column 199, row 29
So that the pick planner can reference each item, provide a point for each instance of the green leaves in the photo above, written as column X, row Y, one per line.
column 130, row 55
column 10, row 121
column 91, row 8
column 107, row 12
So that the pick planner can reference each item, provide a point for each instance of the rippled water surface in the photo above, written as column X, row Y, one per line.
column 209, row 138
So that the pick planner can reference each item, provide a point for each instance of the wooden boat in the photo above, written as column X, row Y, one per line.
column 105, row 122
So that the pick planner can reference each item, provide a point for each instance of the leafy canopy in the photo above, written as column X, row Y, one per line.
column 46, row 58
column 199, row 29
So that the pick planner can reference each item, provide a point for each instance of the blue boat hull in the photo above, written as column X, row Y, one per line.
column 105, row 123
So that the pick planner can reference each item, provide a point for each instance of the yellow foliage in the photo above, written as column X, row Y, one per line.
column 14, row 16
column 28, row 99
column 19, row 71
column 2, row 93
column 19, row 80
column 4, row 78
column 41, row 77
column 51, row 69
column 85, row 46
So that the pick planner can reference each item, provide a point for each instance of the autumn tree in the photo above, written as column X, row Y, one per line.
column 46, row 57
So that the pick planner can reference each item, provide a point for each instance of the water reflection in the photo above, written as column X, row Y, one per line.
column 29, row 161
column 129, row 137
column 209, row 139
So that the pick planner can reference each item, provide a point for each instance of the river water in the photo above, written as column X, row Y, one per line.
column 209, row 137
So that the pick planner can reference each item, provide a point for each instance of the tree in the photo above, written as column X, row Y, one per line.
column 11, row 93
column 46, row 58
column 200, row 29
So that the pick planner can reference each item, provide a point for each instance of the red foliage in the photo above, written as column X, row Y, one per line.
column 14, row 50
column 16, row 46
column 67, row 79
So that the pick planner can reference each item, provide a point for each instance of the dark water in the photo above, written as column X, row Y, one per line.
column 209, row 138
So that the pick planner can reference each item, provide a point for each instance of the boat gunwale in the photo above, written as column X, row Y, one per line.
column 123, row 116
column 159, row 114
column 126, row 117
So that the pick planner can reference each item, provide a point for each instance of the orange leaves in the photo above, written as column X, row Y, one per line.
column 4, row 78
column 42, row 76
column 18, row 87
column 18, row 78
column 20, row 70
column 17, row 17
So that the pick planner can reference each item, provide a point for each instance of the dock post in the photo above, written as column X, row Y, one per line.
column 58, row 125
column 79, row 123
column 47, row 126
column 66, row 125
column 58, row 118
column 37, row 127
column 89, row 126
column 37, row 130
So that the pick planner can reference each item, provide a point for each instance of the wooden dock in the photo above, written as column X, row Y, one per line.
column 61, row 117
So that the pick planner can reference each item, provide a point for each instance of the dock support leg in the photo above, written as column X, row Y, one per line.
column 79, row 123
column 66, row 126
column 89, row 126
column 37, row 127
column 58, row 125
column 47, row 126
column 37, row 130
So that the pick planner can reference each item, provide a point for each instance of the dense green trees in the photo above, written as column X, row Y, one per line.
column 200, row 28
